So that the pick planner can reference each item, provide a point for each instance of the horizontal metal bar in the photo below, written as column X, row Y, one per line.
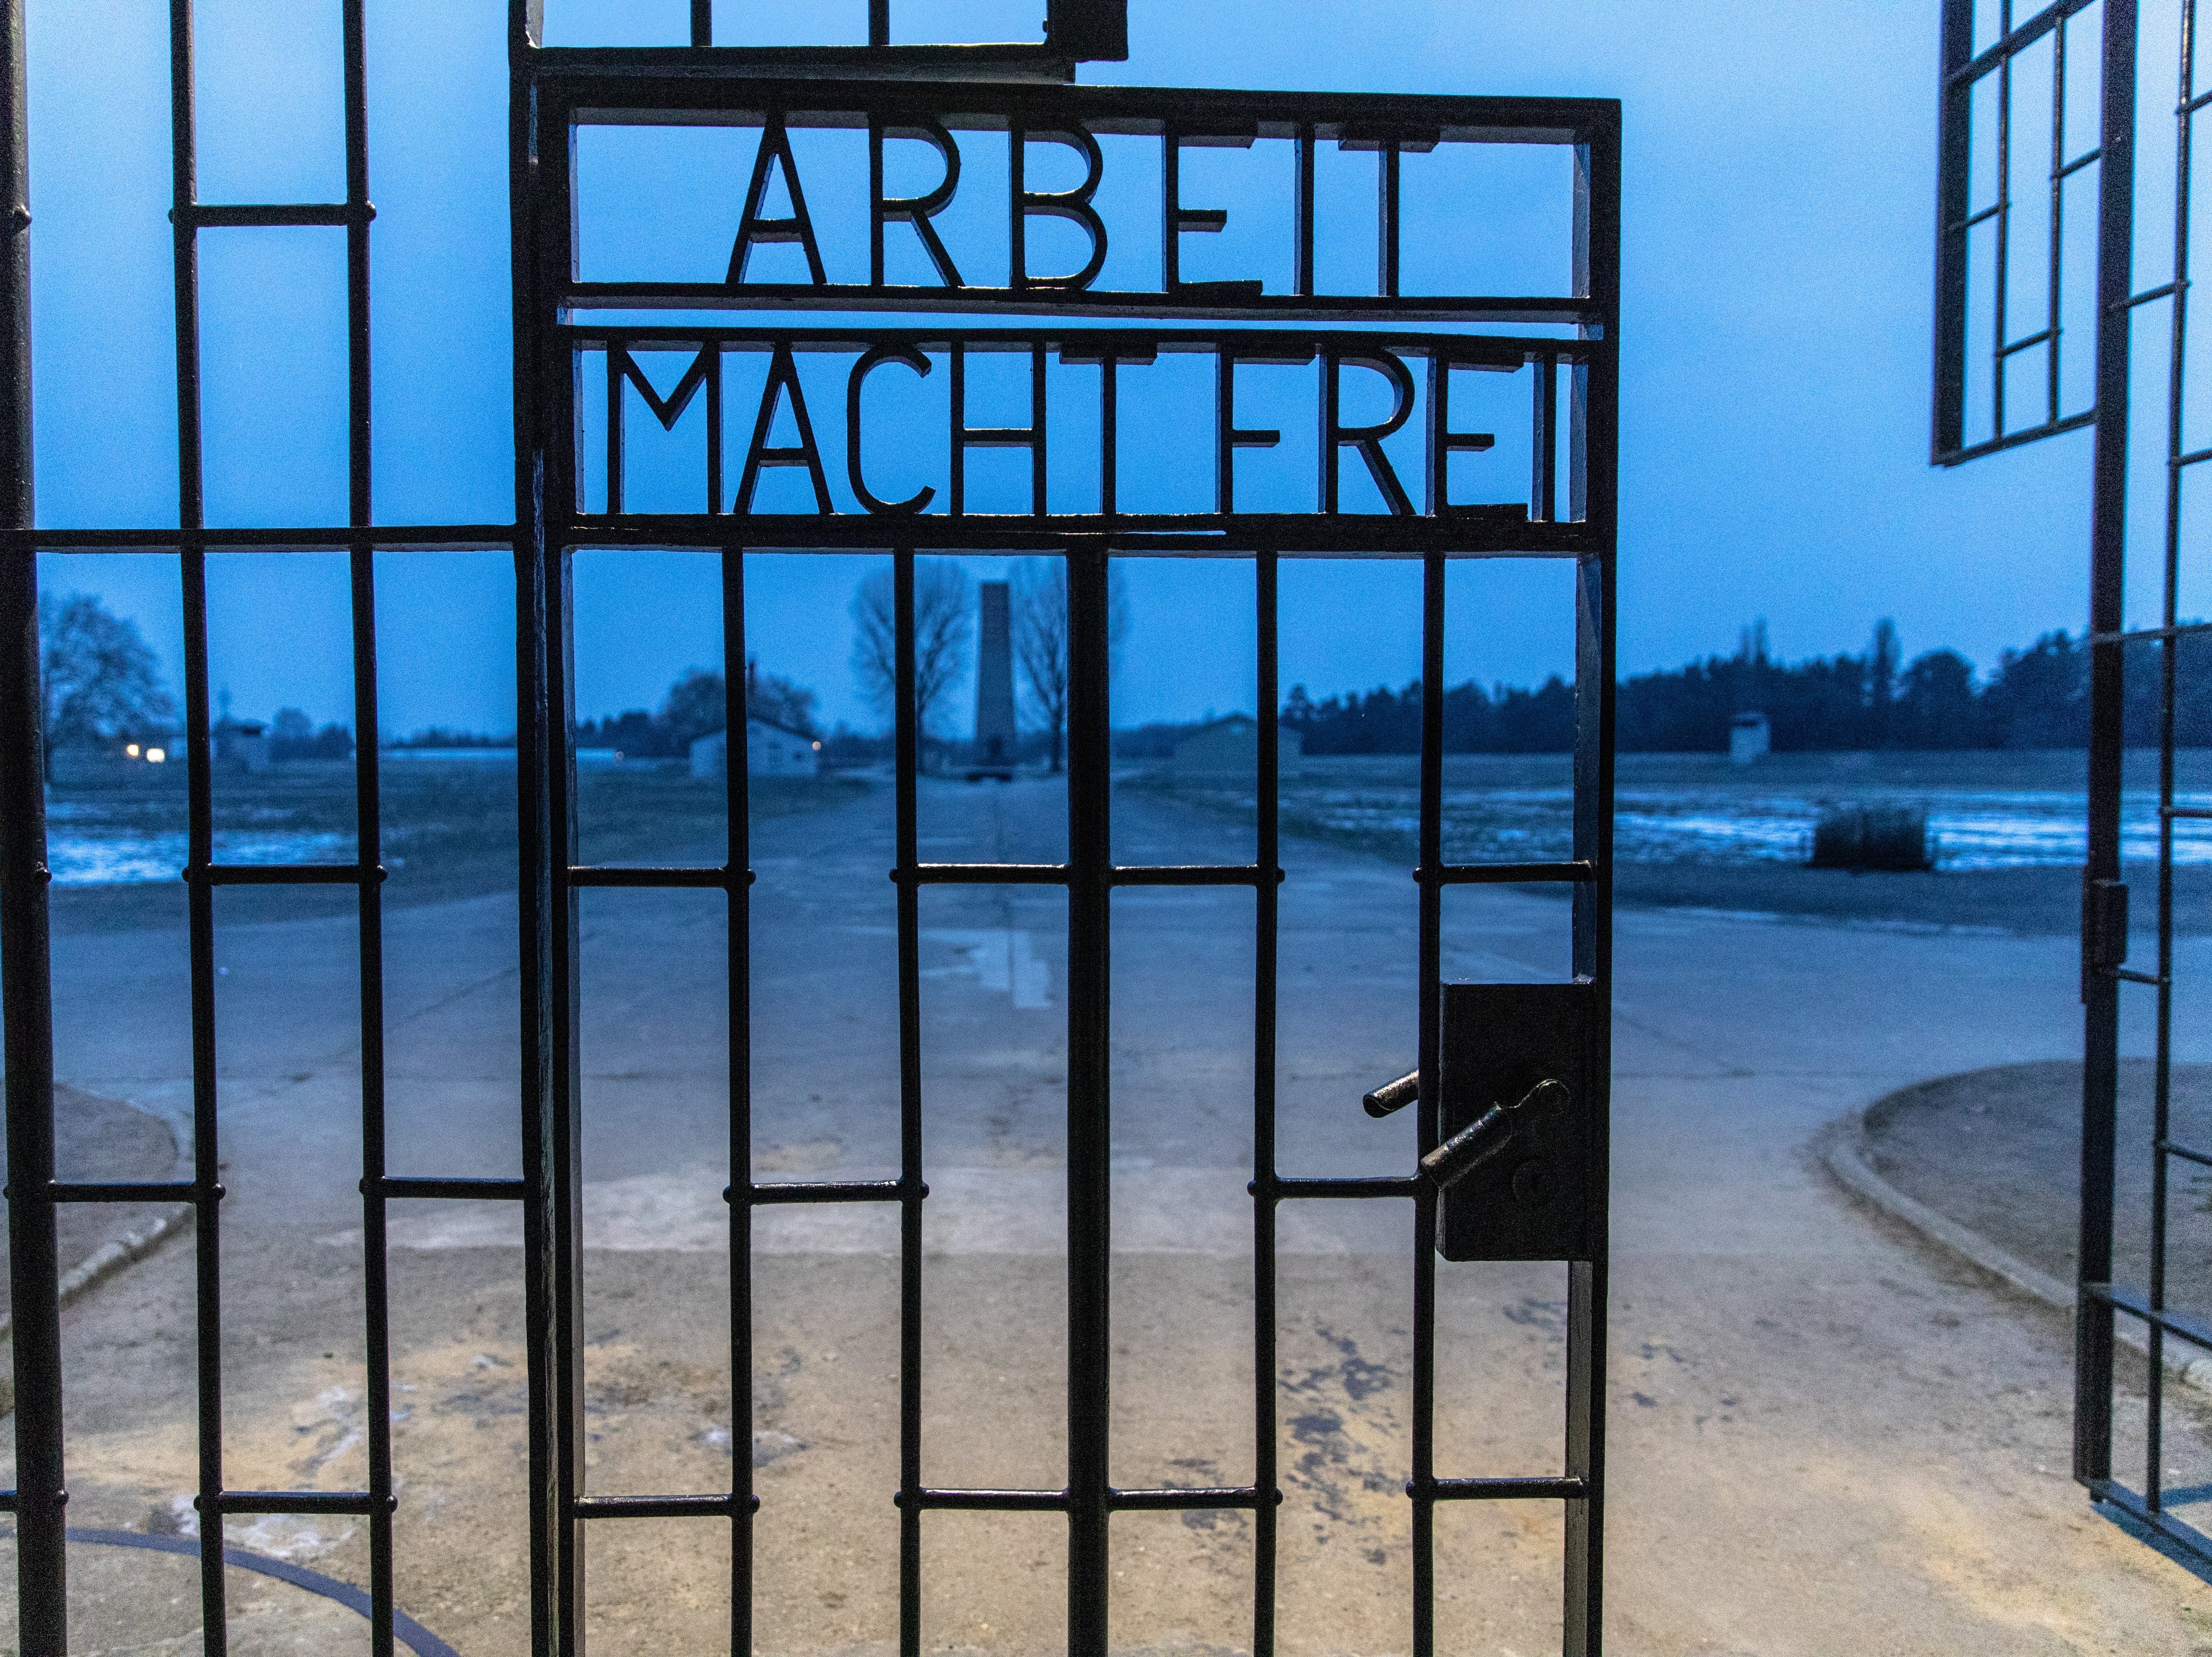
column 1038, row 62
column 283, row 874
column 294, row 1501
column 661, row 878
column 8, row 1500
column 1503, row 1490
column 2190, row 106
column 2130, row 974
column 1384, row 1186
column 1502, row 874
column 2014, row 439
column 1982, row 218
column 826, row 1191
column 985, row 874
column 215, row 215
column 2151, row 295
column 1222, row 1497
column 2048, row 334
column 657, row 1507
column 2187, row 1153
column 472, row 1191
column 2185, row 811
column 155, row 1191
column 2172, row 1322
column 2094, row 153
column 392, row 538
column 986, row 1501
column 1211, row 303
column 2012, row 45
column 2179, row 1531
column 2193, row 457
column 1189, row 874
column 2180, row 631
column 1292, row 345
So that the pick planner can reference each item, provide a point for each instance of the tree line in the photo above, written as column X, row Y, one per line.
column 2038, row 697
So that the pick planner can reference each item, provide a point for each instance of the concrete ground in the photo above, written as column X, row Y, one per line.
column 1824, row 1438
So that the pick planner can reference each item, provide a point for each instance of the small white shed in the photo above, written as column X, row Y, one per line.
column 1750, row 738
column 770, row 751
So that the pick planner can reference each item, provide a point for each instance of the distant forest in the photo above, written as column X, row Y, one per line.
column 2034, row 698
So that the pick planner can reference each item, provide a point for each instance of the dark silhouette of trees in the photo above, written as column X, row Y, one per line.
column 1039, row 599
column 99, row 680
column 2034, row 698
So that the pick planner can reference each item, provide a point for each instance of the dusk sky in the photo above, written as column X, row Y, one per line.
column 1779, row 211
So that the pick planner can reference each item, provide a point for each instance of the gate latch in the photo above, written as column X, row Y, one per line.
column 2104, row 928
column 1521, row 1167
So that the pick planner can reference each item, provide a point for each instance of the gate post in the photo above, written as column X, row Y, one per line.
column 2101, row 990
column 41, row 1571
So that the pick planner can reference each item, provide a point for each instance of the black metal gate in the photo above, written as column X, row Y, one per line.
column 1496, row 1064
column 2042, row 112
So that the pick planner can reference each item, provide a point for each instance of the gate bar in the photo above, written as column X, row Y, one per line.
column 33, row 1267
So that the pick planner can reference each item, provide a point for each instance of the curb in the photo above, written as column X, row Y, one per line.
column 1842, row 1148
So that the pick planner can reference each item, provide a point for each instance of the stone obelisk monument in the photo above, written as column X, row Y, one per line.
column 993, row 753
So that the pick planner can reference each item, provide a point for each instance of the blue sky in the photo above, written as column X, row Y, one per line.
column 1778, row 225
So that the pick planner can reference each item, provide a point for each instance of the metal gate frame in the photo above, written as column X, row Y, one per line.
column 2105, row 927
column 1572, row 516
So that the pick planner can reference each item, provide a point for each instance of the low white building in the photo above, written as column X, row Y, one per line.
column 770, row 751
column 1230, row 748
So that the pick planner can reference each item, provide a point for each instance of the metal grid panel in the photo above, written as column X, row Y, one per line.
column 543, row 538
column 1962, row 362
column 2105, row 974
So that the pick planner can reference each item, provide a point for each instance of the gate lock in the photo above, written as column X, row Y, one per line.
column 1523, row 1122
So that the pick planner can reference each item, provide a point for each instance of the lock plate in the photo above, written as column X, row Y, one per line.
column 1532, row 1201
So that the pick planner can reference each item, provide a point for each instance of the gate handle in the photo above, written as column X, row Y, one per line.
column 1393, row 1096
column 1488, row 1134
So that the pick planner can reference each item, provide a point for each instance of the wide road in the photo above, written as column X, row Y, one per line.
column 1823, row 1439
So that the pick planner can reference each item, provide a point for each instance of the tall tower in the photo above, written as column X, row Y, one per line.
column 995, row 687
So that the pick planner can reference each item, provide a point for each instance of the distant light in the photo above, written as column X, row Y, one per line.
column 131, row 749
column 155, row 755
column 817, row 748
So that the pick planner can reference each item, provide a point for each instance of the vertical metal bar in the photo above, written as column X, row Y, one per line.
column 2093, row 1319
column 1429, row 1001
column 1998, row 309
column 736, row 767
column 702, row 22
column 1386, row 219
column 199, row 832
column 1090, row 1133
column 1265, row 942
column 538, row 747
column 1584, row 1580
column 907, row 739
column 26, row 976
column 1593, row 486
column 616, row 359
column 1302, row 237
column 375, row 1286
column 1543, row 439
column 2162, row 1074
column 376, row 1310
column 2057, row 215
column 879, row 23
column 1954, row 144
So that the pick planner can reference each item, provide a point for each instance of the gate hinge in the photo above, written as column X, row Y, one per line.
column 2104, row 928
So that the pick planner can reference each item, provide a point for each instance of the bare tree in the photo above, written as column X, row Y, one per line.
column 99, row 680
column 944, row 622
column 1040, row 630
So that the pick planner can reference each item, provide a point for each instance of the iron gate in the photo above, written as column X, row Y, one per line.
column 2040, row 118
column 1490, row 1071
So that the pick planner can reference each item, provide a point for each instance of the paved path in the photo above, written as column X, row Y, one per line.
column 1824, row 1440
